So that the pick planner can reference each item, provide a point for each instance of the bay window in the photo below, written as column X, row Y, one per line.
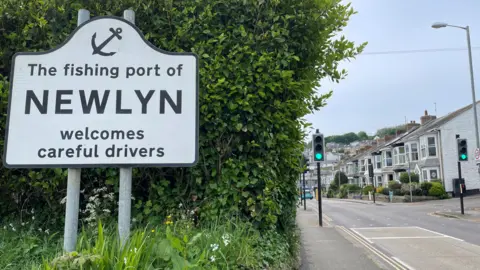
column 387, row 158
column 432, row 149
column 378, row 162
column 414, row 154
column 399, row 155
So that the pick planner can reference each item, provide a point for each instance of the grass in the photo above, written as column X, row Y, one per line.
column 223, row 245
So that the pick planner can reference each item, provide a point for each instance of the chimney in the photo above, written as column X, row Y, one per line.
column 427, row 118
column 411, row 125
column 388, row 138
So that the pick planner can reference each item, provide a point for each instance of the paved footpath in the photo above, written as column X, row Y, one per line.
column 328, row 248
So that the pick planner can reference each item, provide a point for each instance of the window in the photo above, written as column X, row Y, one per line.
column 401, row 155
column 378, row 162
column 433, row 174
column 387, row 159
column 395, row 156
column 432, row 149
column 423, row 150
column 379, row 180
column 362, row 165
column 414, row 154
column 407, row 153
column 424, row 175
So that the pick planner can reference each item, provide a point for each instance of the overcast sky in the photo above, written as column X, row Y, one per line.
column 382, row 89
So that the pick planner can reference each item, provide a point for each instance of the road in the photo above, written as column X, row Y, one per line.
column 408, row 236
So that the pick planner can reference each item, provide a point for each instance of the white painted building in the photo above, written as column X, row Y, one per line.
column 460, row 122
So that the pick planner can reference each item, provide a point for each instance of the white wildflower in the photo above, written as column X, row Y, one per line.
column 47, row 231
column 11, row 225
column 33, row 217
column 134, row 220
column 106, row 210
column 214, row 247
column 33, row 212
column 212, row 258
column 135, row 250
column 192, row 212
column 180, row 205
column 125, row 260
column 226, row 239
column 13, row 229
column 23, row 224
column 64, row 200
column 40, row 229
column 4, row 227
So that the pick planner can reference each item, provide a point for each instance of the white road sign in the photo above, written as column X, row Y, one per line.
column 106, row 97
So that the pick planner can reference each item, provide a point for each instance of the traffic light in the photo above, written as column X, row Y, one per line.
column 370, row 168
column 462, row 149
column 318, row 147
column 306, row 164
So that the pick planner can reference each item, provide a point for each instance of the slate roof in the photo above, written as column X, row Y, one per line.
column 433, row 124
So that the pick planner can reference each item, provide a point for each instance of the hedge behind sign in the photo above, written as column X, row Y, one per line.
column 260, row 64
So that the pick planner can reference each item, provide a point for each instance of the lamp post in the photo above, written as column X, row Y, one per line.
column 474, row 101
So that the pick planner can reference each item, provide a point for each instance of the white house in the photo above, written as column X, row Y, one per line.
column 428, row 149
column 431, row 149
column 444, row 130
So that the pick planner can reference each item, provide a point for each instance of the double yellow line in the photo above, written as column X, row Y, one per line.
column 396, row 265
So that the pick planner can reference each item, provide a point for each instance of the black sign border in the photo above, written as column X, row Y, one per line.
column 102, row 165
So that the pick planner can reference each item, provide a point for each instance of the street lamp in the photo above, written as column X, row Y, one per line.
column 467, row 29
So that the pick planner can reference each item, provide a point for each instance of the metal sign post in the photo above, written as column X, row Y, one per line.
column 72, row 203
column 125, row 188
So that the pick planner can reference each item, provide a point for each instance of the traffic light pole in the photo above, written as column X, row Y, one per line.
column 304, row 195
column 300, row 183
column 373, row 184
column 461, row 186
column 319, row 190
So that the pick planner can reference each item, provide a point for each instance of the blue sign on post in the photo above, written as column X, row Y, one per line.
column 390, row 195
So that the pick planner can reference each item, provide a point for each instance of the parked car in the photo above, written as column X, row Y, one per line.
column 308, row 194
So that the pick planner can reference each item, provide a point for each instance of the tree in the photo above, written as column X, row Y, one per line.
column 405, row 179
column 362, row 135
column 260, row 65
column 340, row 177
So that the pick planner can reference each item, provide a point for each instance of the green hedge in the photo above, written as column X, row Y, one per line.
column 260, row 64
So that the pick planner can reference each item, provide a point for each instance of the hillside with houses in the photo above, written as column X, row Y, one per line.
column 427, row 148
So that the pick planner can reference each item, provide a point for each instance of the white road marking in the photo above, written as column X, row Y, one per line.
column 361, row 235
column 373, row 228
column 444, row 235
column 401, row 262
column 404, row 237
column 397, row 265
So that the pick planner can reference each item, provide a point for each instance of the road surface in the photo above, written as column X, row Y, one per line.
column 408, row 236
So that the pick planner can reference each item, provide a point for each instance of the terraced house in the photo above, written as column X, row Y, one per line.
column 428, row 149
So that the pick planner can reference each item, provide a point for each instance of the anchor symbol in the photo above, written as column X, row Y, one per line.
column 98, row 49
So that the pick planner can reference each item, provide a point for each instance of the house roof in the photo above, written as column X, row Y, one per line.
column 433, row 124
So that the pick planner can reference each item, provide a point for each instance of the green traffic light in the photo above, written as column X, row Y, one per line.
column 318, row 156
column 463, row 156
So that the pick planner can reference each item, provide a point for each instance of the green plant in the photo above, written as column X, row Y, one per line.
column 394, row 185
column 367, row 189
column 425, row 186
column 380, row 190
column 386, row 191
column 341, row 178
column 330, row 193
column 404, row 178
column 258, row 80
column 437, row 190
